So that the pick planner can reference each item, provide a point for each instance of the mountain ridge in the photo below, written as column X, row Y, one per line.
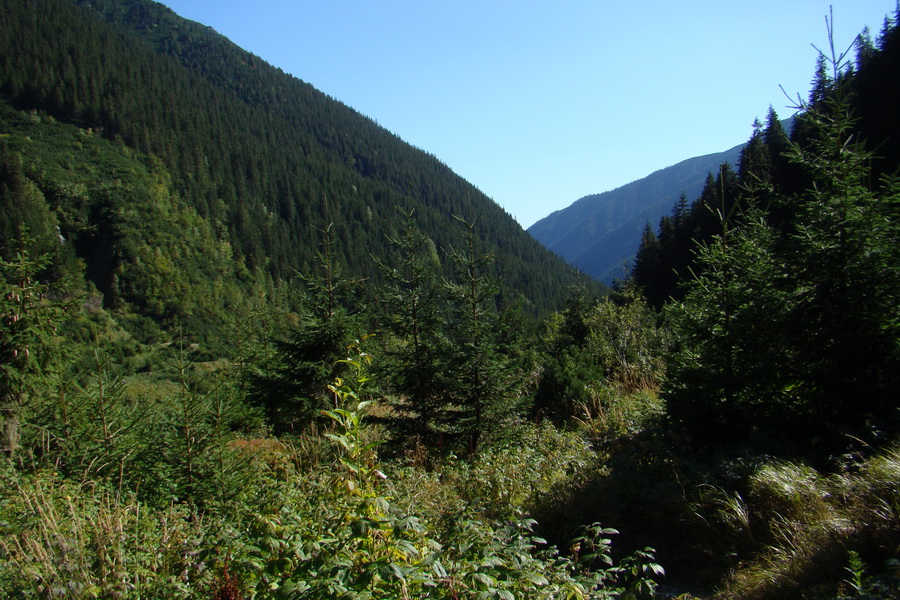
column 600, row 233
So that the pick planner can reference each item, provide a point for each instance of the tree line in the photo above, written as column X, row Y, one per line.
column 781, row 279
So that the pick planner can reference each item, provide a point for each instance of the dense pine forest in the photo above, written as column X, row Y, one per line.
column 264, row 161
column 255, row 346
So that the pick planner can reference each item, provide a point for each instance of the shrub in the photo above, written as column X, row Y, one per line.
column 509, row 478
column 340, row 534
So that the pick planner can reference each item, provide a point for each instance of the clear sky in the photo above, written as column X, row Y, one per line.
column 538, row 103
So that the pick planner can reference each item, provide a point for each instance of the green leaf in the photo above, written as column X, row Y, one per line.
column 484, row 579
column 438, row 569
column 398, row 572
column 340, row 439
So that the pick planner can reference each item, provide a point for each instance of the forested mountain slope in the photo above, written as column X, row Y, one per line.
column 263, row 160
column 741, row 441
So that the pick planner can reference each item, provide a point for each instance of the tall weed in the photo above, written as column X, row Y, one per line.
column 64, row 540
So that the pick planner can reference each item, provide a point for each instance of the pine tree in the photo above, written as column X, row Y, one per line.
column 413, row 356
column 478, row 376
column 290, row 381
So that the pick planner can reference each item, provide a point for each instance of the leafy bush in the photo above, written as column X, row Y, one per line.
column 340, row 534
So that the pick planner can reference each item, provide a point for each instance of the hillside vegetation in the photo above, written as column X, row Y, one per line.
column 252, row 346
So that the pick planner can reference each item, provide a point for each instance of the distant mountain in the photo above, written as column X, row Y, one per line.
column 600, row 233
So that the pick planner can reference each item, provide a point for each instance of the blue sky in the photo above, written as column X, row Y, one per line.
column 540, row 103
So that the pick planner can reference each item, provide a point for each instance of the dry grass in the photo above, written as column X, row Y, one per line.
column 810, row 523
column 66, row 540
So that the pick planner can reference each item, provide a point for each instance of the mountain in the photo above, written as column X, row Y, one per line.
column 600, row 233
column 233, row 161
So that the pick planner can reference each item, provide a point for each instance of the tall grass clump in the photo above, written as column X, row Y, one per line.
column 822, row 536
column 613, row 410
column 60, row 539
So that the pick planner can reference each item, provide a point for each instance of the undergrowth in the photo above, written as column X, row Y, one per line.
column 319, row 516
column 814, row 535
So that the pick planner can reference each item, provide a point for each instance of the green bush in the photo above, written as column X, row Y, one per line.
column 340, row 534
column 533, row 464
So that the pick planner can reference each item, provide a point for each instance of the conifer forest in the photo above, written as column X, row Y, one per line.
column 254, row 346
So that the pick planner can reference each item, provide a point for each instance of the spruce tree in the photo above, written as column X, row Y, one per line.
column 842, row 265
column 725, row 374
column 755, row 166
column 647, row 259
column 777, row 144
column 31, row 310
column 568, row 365
column 478, row 376
column 23, row 205
column 290, row 379
column 794, row 331
column 680, row 210
column 413, row 354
